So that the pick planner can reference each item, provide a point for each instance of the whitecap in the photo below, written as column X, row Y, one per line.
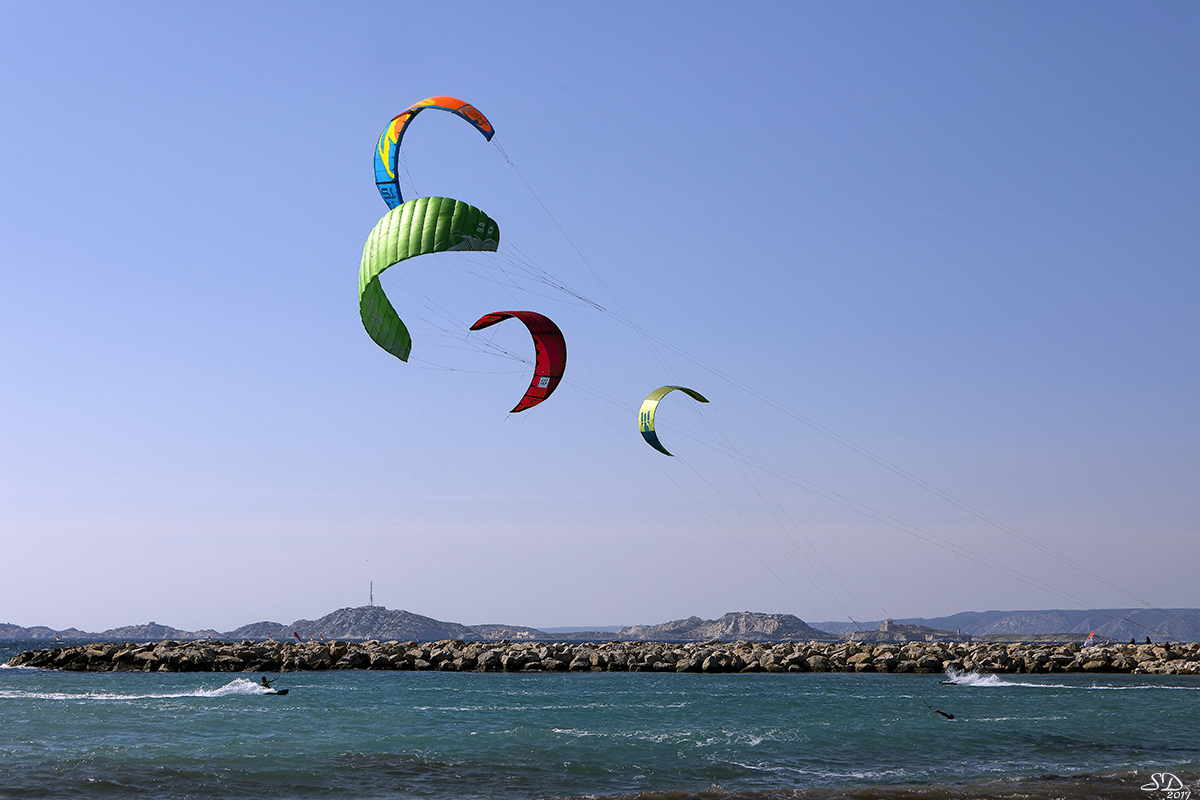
column 989, row 680
column 238, row 686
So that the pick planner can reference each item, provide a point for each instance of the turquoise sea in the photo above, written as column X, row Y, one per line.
column 441, row 735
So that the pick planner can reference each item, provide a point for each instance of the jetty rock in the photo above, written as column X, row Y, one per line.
column 713, row 656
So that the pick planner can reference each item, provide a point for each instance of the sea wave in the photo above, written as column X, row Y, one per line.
column 991, row 680
column 237, row 686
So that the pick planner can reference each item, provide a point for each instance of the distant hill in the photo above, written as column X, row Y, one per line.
column 149, row 631
column 39, row 632
column 1120, row 624
column 578, row 629
column 153, row 631
column 744, row 625
column 377, row 622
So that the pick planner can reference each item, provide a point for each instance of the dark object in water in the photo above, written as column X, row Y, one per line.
column 936, row 710
column 283, row 691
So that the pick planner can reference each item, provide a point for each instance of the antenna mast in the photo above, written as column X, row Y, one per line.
column 371, row 596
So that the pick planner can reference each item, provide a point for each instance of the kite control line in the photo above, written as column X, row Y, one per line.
column 937, row 710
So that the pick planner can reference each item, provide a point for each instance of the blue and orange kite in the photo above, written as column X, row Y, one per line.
column 387, row 153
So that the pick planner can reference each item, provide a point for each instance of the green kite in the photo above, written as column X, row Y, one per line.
column 416, row 228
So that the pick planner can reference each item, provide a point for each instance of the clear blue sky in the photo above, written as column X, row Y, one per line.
column 962, row 238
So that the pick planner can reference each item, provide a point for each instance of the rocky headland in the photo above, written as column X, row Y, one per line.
column 377, row 622
column 616, row 656
column 384, row 624
column 1115, row 624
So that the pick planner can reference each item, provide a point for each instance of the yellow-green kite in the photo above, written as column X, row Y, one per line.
column 650, row 406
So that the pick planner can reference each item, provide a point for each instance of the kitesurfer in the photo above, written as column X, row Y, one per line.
column 266, row 683
column 936, row 710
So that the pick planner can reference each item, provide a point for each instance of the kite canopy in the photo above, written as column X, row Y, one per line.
column 551, row 353
column 650, row 407
column 418, row 227
column 387, row 152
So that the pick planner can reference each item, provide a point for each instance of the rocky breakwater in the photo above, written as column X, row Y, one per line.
column 711, row 657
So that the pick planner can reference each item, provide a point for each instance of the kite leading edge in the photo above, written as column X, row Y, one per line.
column 387, row 152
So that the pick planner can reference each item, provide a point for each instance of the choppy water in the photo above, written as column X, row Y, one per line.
column 450, row 735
